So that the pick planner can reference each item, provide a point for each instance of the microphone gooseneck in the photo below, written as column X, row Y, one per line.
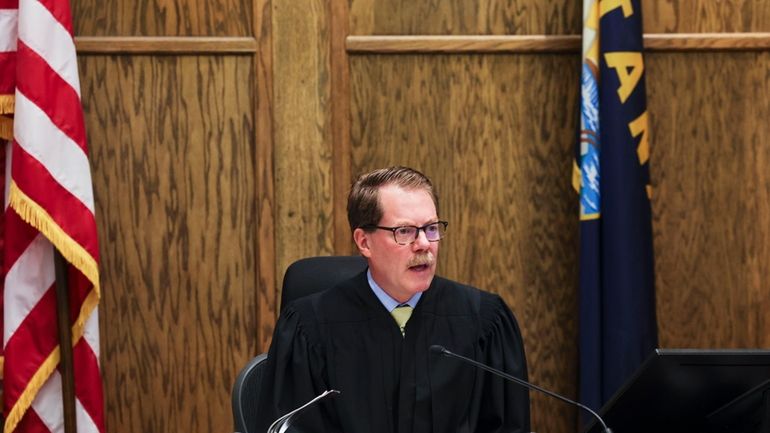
column 441, row 350
column 283, row 423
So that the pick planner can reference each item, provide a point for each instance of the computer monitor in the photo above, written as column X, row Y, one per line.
column 675, row 390
column 748, row 413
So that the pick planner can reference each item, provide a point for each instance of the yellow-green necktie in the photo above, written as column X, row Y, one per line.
column 402, row 313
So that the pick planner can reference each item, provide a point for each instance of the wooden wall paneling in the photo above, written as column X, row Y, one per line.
column 693, row 42
column 473, row 44
column 171, row 142
column 758, row 159
column 534, row 44
column 163, row 18
column 711, row 215
column 267, row 285
column 165, row 45
column 304, row 223
column 464, row 17
column 496, row 134
column 340, row 110
column 725, row 16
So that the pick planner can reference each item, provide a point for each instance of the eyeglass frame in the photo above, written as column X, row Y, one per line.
column 416, row 234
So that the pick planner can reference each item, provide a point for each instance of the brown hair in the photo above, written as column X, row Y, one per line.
column 363, row 200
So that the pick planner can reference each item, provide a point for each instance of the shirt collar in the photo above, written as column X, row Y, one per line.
column 389, row 303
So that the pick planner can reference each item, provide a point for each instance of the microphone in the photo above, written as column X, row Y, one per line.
column 441, row 350
column 283, row 423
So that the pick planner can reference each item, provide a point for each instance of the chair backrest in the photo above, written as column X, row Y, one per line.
column 303, row 277
column 245, row 394
column 313, row 274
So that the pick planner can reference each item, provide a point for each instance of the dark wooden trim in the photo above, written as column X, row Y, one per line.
column 340, row 118
column 548, row 43
column 164, row 45
column 265, row 206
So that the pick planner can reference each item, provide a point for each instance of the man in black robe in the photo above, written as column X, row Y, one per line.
column 347, row 337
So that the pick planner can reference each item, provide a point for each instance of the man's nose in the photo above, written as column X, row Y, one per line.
column 421, row 242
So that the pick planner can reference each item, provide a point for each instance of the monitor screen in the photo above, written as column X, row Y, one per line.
column 677, row 390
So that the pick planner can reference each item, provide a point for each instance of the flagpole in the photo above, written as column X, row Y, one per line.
column 66, row 367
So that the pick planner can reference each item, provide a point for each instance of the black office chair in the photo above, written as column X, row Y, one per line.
column 303, row 277
column 245, row 395
column 313, row 274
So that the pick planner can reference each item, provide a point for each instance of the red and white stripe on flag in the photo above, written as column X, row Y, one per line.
column 49, row 204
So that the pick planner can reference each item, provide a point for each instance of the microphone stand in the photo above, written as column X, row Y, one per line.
column 283, row 423
column 443, row 351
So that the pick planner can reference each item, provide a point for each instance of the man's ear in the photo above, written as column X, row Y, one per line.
column 362, row 242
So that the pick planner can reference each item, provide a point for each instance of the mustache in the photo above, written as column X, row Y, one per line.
column 422, row 259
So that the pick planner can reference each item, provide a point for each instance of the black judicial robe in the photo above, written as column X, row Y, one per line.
column 345, row 339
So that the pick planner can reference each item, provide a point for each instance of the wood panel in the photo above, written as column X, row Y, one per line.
column 267, row 304
column 531, row 44
column 710, row 159
column 496, row 135
column 163, row 18
column 464, row 17
column 723, row 16
column 340, row 108
column 532, row 17
column 302, row 131
column 165, row 45
column 172, row 153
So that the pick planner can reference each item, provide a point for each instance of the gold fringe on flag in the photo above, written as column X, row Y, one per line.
column 30, row 391
column 6, row 128
column 7, row 104
column 34, row 214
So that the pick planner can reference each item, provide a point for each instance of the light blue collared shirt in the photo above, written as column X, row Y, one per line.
column 389, row 303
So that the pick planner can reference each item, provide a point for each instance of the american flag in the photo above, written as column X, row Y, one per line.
column 48, row 204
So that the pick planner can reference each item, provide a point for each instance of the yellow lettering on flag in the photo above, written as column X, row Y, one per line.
column 606, row 6
column 621, row 61
column 639, row 126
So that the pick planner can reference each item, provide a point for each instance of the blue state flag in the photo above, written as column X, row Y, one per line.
column 617, row 295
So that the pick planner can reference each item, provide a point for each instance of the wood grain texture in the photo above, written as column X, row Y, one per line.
column 164, row 45
column 495, row 17
column 304, row 223
column 172, row 154
column 547, row 43
column 496, row 134
column 707, row 42
column 340, row 100
column 463, row 44
column 267, row 285
column 464, row 17
column 711, row 203
column 162, row 18
column 722, row 16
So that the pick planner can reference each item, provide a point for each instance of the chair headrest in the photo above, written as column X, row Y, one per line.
column 314, row 274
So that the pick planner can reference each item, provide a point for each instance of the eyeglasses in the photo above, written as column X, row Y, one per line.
column 405, row 235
